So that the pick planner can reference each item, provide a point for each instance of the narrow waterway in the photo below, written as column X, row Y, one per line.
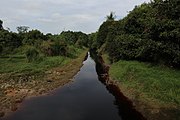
column 84, row 99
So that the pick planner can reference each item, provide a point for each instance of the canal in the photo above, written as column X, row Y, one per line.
column 86, row 98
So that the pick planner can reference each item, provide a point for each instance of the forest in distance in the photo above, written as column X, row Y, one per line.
column 142, row 50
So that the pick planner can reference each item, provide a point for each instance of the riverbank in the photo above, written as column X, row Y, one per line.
column 17, row 86
column 154, row 90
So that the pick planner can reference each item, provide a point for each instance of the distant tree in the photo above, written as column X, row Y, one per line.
column 92, row 40
column 35, row 34
column 9, row 41
column 33, row 37
column 22, row 29
column 69, row 36
column 48, row 36
column 111, row 17
column 82, row 39
column 1, row 25
column 8, row 29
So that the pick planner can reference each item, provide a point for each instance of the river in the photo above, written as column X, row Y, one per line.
column 86, row 98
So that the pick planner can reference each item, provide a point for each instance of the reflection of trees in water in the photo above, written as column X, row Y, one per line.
column 125, row 106
column 126, row 109
column 86, row 57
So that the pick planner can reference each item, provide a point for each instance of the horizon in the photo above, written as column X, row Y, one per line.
column 56, row 16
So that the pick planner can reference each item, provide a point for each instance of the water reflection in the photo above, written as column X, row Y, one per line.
column 84, row 99
column 125, row 106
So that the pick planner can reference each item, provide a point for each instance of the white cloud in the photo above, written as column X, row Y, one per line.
column 55, row 15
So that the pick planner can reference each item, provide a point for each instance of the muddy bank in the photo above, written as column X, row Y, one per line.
column 149, row 109
column 126, row 108
column 15, row 87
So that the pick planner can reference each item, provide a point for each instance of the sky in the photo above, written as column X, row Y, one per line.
column 55, row 16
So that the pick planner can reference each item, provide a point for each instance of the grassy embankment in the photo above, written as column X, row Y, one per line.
column 156, row 86
column 20, row 78
column 19, row 63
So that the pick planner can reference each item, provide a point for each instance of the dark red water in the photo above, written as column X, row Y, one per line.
column 84, row 99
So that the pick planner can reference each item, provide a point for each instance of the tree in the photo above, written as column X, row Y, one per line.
column 35, row 34
column 9, row 41
column 22, row 29
column 82, row 39
column 69, row 36
column 1, row 25
column 111, row 17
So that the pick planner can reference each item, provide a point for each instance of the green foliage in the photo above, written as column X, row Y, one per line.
column 111, row 17
column 46, row 48
column 33, row 38
column 22, row 29
column 155, row 82
column 103, row 32
column 20, row 64
column 150, row 32
column 1, row 25
column 32, row 54
column 69, row 37
column 35, row 34
column 48, row 45
column 34, row 45
column 9, row 41
column 59, row 48
column 73, row 51
column 168, row 8
column 78, row 38
column 92, row 42
column 123, row 47
column 82, row 39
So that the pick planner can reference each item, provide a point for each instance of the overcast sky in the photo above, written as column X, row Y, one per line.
column 55, row 16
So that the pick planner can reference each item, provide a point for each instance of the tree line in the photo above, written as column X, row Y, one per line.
column 150, row 33
column 34, row 43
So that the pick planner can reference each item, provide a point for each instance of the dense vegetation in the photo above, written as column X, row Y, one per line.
column 32, row 51
column 157, row 82
column 150, row 32
column 143, row 50
column 34, row 43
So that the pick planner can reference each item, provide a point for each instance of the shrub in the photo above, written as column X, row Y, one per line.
column 32, row 54
column 123, row 47
column 59, row 48
column 46, row 48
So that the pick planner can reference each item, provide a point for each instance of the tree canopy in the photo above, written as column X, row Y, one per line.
column 22, row 29
column 150, row 32
column 35, row 41
column 1, row 25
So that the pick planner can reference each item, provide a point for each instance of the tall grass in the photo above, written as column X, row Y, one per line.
column 31, row 61
column 156, row 82
column 20, row 65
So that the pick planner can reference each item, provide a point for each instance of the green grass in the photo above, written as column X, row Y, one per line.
column 20, row 65
column 74, row 52
column 106, row 58
column 157, row 82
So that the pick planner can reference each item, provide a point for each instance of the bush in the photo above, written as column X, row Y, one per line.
column 123, row 47
column 54, row 48
column 59, row 48
column 46, row 48
column 32, row 54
